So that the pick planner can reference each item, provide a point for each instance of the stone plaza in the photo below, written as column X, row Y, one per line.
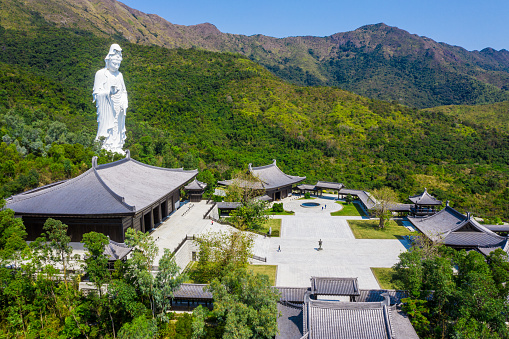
column 298, row 260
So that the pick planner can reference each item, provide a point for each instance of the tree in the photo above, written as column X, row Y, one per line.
column 246, row 304
column 57, row 245
column 159, row 289
column 167, row 281
column 96, row 262
column 140, row 265
column 469, row 304
column 244, row 187
column 12, row 236
column 252, row 213
column 385, row 199
column 139, row 328
column 221, row 251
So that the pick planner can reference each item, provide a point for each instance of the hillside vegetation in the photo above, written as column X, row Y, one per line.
column 219, row 112
column 488, row 115
column 377, row 61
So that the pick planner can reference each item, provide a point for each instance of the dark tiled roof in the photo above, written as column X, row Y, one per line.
column 363, row 196
column 424, row 199
column 455, row 229
column 306, row 187
column 369, row 202
column 330, row 185
column 376, row 296
column 474, row 239
column 120, row 187
column 193, row 292
column 401, row 207
column 195, row 185
column 225, row 205
column 142, row 184
column 292, row 294
column 497, row 228
column 270, row 177
column 290, row 322
column 487, row 250
column 334, row 286
column 326, row 320
column 116, row 251
column 86, row 194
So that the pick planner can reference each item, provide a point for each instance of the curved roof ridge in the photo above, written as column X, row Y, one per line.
column 113, row 163
column 418, row 198
column 181, row 169
column 277, row 167
column 477, row 225
column 52, row 187
column 113, row 194
column 265, row 166
column 445, row 210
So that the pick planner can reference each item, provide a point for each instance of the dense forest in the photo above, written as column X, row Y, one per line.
column 219, row 112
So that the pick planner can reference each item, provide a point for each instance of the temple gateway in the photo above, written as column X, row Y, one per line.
column 107, row 198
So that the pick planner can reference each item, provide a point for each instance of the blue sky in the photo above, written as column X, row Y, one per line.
column 467, row 23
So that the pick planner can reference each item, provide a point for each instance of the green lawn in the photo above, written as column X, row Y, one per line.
column 306, row 198
column 276, row 227
column 368, row 229
column 384, row 275
column 269, row 270
column 352, row 209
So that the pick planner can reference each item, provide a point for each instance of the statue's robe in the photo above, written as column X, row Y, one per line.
column 111, row 108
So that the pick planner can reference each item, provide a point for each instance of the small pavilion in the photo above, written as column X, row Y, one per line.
column 424, row 204
column 195, row 190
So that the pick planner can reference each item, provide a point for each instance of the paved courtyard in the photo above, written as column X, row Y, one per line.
column 342, row 254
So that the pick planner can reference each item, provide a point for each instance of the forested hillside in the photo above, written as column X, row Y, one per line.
column 489, row 115
column 377, row 61
column 219, row 112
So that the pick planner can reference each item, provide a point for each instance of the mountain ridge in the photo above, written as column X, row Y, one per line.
column 378, row 61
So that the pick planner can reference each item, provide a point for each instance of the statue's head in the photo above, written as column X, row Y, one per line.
column 114, row 58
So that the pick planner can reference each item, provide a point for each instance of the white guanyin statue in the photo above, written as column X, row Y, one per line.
column 110, row 97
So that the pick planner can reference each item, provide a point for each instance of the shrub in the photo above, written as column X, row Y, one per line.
column 277, row 207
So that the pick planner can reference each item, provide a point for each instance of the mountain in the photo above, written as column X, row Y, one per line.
column 377, row 61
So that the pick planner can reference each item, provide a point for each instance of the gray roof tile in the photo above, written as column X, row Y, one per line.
column 120, row 187
column 455, row 229
column 292, row 294
column 193, row 291
column 329, row 185
column 326, row 320
column 424, row 199
column 195, row 185
column 334, row 286
column 116, row 251
column 270, row 177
